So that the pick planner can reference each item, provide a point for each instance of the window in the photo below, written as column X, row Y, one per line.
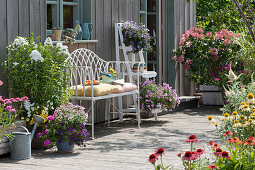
column 63, row 13
column 149, row 17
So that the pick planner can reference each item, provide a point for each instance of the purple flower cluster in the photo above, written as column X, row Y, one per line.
column 67, row 124
column 136, row 36
column 153, row 96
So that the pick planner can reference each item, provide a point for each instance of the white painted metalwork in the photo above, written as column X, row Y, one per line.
column 86, row 65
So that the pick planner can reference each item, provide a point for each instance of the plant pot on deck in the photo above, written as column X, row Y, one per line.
column 211, row 95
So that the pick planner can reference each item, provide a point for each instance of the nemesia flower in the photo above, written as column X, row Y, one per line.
column 212, row 166
column 192, row 139
column 225, row 155
column 48, row 42
column 152, row 158
column 160, row 151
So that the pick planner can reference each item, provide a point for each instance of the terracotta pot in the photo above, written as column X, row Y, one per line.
column 57, row 34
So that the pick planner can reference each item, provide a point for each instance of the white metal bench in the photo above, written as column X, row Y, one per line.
column 86, row 65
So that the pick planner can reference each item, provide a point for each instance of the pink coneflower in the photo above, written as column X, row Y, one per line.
column 216, row 145
column 212, row 167
column 179, row 154
column 218, row 152
column 152, row 158
column 216, row 79
column 160, row 152
column 200, row 151
column 189, row 156
column 225, row 155
column 211, row 143
column 192, row 139
column 24, row 98
column 227, row 133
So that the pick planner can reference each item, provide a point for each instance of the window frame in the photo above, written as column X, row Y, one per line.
column 77, row 4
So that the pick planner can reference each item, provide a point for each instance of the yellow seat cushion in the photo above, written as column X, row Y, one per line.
column 98, row 90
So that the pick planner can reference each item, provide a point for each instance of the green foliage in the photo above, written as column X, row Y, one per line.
column 38, row 72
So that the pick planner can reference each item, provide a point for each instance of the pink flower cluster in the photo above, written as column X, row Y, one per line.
column 194, row 32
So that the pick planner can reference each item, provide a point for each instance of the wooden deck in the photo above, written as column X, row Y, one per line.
column 124, row 146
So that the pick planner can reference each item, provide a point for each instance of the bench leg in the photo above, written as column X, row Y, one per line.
column 137, row 108
column 120, row 108
column 92, row 112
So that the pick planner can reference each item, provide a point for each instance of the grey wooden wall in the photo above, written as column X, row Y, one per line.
column 185, row 19
column 105, row 13
column 19, row 17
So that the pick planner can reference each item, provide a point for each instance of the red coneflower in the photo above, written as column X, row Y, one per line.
column 210, row 143
column 212, row 167
column 160, row 151
column 225, row 155
column 227, row 133
column 200, row 151
column 216, row 145
column 179, row 154
column 152, row 158
column 235, row 140
column 189, row 156
column 229, row 140
column 218, row 152
column 192, row 139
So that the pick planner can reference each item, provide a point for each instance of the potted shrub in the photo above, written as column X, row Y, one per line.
column 40, row 73
column 136, row 36
column 57, row 31
column 207, row 58
column 70, row 35
column 155, row 98
column 65, row 128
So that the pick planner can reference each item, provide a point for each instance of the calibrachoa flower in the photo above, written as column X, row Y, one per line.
column 192, row 139
column 46, row 143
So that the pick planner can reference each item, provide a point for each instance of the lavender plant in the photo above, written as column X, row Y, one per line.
column 153, row 96
column 136, row 36
column 67, row 124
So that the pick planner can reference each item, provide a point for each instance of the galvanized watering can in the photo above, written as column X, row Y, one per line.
column 21, row 142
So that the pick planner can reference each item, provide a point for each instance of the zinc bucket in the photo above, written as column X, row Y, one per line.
column 21, row 144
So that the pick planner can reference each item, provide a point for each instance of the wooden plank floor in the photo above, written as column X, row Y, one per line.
column 123, row 146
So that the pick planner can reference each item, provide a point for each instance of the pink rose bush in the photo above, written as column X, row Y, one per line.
column 206, row 57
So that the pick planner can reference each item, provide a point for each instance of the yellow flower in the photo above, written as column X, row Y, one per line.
column 32, row 122
column 34, row 114
column 234, row 113
column 22, row 118
column 242, row 118
column 235, row 121
column 246, row 108
column 237, row 125
column 250, row 96
column 27, row 119
column 216, row 124
column 114, row 73
column 210, row 117
column 243, row 103
column 111, row 69
column 249, row 120
column 226, row 114
column 253, row 110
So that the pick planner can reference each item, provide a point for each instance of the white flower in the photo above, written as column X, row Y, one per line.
column 48, row 42
column 36, row 56
column 20, row 41
column 63, row 49
column 15, row 64
column 231, row 75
